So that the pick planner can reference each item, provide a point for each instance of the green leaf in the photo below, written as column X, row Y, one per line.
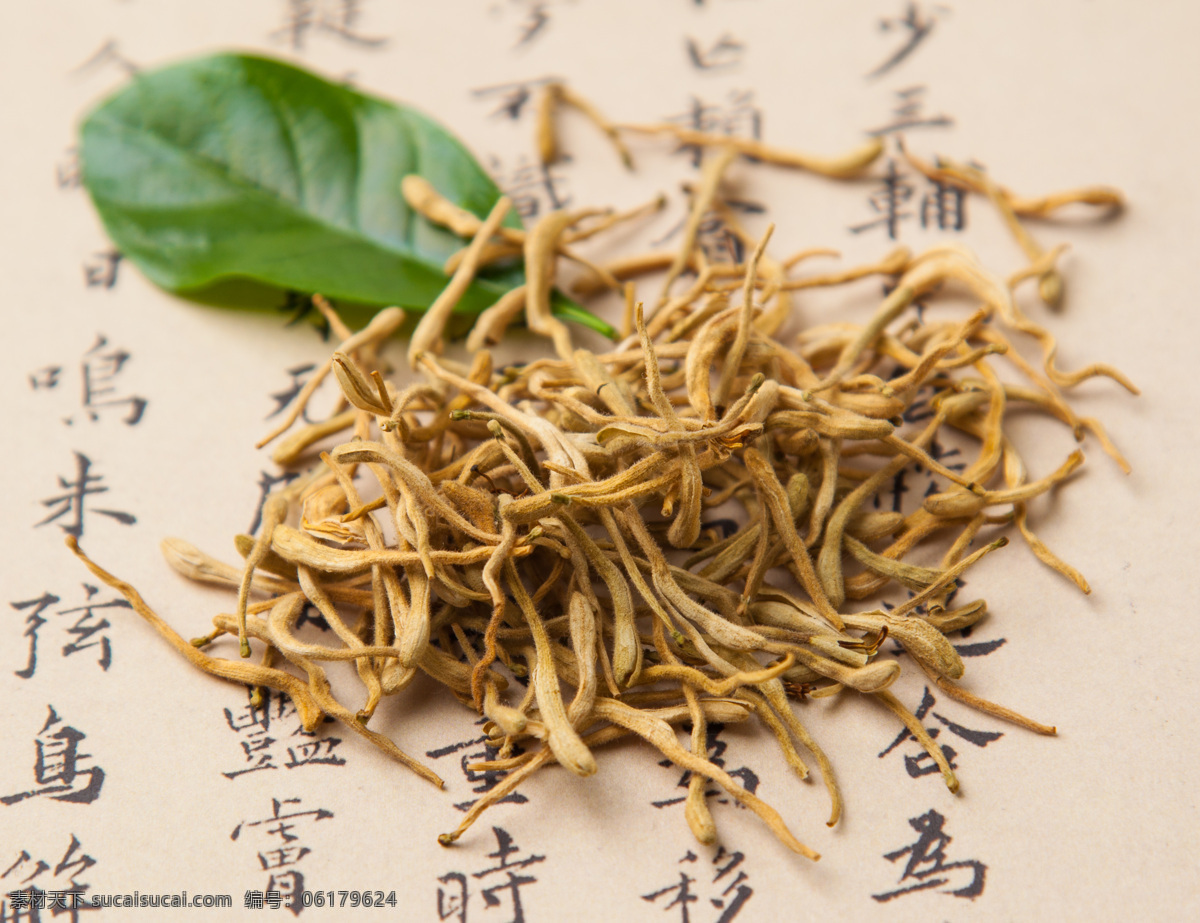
column 236, row 167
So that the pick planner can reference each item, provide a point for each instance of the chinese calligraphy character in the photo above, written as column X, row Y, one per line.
column 266, row 483
column 302, row 748
column 726, row 895
column 505, row 847
column 29, row 884
column 102, row 271
column 109, row 53
column 917, row 24
column 716, row 755
column 923, row 764
column 281, row 858
column 739, row 115
column 512, row 98
column 889, row 202
column 87, row 625
column 85, row 485
column 499, row 893
column 535, row 18
column 283, row 399
column 99, row 369
column 907, row 114
column 534, row 188
column 488, row 779
column 335, row 17
column 950, row 457
column 720, row 243
column 311, row 615
column 58, row 766
column 927, row 865
column 724, row 53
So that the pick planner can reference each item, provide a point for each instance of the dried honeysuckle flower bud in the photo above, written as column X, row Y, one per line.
column 360, row 391
column 924, row 643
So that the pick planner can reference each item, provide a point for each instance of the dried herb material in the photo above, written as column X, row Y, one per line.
column 554, row 521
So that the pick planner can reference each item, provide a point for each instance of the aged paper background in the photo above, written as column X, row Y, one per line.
column 1100, row 823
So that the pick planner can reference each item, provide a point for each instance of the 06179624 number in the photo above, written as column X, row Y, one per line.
column 347, row 899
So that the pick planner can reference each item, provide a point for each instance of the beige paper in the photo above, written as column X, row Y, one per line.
column 200, row 794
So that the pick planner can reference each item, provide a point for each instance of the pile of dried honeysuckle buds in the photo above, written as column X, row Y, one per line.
column 549, row 522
